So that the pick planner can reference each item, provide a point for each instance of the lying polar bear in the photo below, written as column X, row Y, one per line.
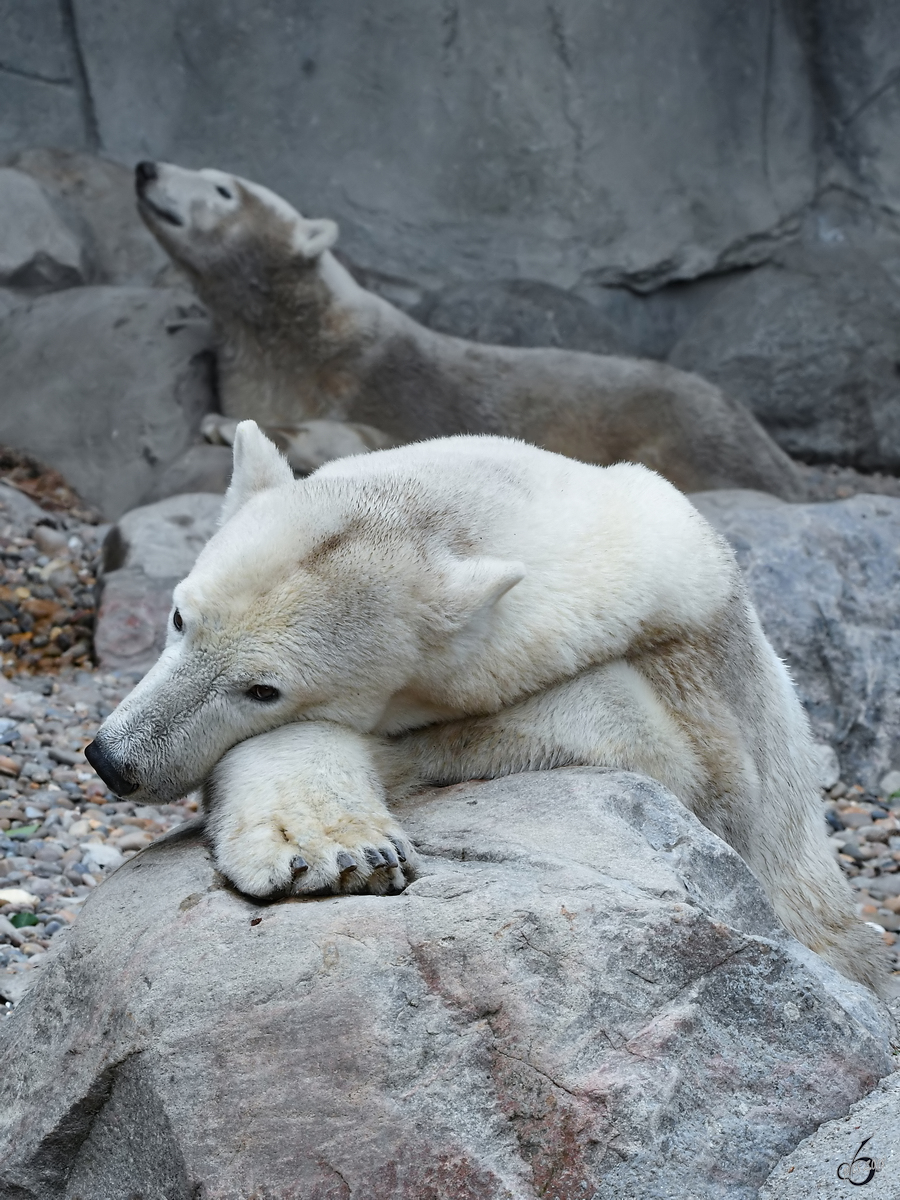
column 465, row 608
column 300, row 340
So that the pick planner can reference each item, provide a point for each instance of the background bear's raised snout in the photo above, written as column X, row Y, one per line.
column 114, row 775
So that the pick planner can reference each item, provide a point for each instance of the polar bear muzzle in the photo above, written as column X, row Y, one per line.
column 115, row 776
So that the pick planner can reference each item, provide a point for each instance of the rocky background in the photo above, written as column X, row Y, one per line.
column 707, row 182
column 704, row 182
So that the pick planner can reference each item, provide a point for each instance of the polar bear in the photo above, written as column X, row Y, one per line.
column 463, row 608
column 300, row 339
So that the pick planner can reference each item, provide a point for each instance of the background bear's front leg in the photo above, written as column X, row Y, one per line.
column 302, row 810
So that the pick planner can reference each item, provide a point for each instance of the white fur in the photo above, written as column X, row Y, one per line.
column 321, row 794
column 461, row 608
column 258, row 466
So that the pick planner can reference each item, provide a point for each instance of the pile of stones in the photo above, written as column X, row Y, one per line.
column 61, row 831
column 48, row 553
column 865, row 832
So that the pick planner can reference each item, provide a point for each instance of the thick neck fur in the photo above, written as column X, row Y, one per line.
column 293, row 334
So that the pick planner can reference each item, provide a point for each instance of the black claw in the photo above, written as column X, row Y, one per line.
column 390, row 857
column 346, row 862
column 374, row 859
column 299, row 864
column 399, row 848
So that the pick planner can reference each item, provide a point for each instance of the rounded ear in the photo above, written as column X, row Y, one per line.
column 258, row 465
column 313, row 238
column 474, row 585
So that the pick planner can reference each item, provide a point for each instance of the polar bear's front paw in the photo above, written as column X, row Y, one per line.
column 301, row 810
column 299, row 857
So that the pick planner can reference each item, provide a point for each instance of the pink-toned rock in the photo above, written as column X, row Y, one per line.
column 132, row 619
column 584, row 994
column 146, row 554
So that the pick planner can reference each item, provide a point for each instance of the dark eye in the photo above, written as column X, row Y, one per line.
column 177, row 620
column 224, row 192
column 262, row 691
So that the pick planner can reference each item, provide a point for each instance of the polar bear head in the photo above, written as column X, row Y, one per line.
column 318, row 599
column 215, row 225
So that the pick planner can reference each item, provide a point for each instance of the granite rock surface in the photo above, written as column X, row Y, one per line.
column 585, row 993
column 107, row 385
column 812, row 349
column 825, row 580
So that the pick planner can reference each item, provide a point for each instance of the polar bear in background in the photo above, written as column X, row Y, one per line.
column 300, row 339
column 462, row 608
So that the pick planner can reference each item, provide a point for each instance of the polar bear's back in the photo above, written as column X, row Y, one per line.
column 595, row 541
column 501, row 469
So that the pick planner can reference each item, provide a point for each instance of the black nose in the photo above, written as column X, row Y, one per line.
column 145, row 172
column 111, row 775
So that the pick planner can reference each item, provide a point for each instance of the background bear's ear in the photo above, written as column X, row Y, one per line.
column 258, row 465
column 474, row 585
column 312, row 238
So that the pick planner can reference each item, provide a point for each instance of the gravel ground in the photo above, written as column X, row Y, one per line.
column 865, row 833
column 62, row 832
column 49, row 545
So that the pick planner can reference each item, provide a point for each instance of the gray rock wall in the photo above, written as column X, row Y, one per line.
column 107, row 385
column 525, row 138
column 554, row 140
column 44, row 97
column 811, row 348
column 854, row 58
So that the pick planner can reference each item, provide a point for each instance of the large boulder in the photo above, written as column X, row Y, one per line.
column 107, row 385
column 202, row 468
column 825, row 579
column 813, row 350
column 37, row 249
column 861, row 1149
column 145, row 555
column 594, row 1003
column 97, row 197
